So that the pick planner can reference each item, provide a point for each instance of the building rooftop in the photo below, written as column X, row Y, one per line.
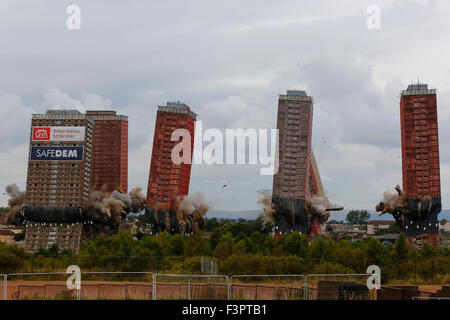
column 105, row 115
column 63, row 112
column 390, row 236
column 378, row 222
column 296, row 95
column 418, row 89
column 419, row 86
column 178, row 107
column 6, row 232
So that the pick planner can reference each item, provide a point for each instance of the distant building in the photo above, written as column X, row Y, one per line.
column 298, row 177
column 110, row 151
column 345, row 228
column 59, row 163
column 70, row 153
column 295, row 114
column 420, row 142
column 168, row 180
column 7, row 236
column 389, row 238
column 3, row 220
column 374, row 225
column 444, row 226
column 420, row 162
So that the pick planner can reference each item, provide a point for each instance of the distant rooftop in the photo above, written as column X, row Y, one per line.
column 178, row 107
column 419, row 86
column 296, row 95
column 63, row 112
column 105, row 115
column 177, row 104
column 382, row 222
column 418, row 89
column 60, row 114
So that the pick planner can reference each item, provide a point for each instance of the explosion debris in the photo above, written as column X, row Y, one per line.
column 187, row 218
column 304, row 216
column 415, row 216
column 15, row 202
column 102, row 214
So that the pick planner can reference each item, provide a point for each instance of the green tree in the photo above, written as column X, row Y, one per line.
column 239, row 248
column 225, row 246
column 401, row 248
column 376, row 251
column 357, row 216
column 177, row 245
column 295, row 244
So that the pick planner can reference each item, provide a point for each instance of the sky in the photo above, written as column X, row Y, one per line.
column 229, row 61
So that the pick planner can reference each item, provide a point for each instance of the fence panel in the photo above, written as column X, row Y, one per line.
column 337, row 287
column 190, row 287
column 266, row 287
column 146, row 286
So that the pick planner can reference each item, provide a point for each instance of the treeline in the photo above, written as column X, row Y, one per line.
column 239, row 247
column 4, row 211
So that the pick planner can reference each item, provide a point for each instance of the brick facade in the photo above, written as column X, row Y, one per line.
column 168, row 180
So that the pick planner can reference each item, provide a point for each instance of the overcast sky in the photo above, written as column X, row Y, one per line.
column 229, row 60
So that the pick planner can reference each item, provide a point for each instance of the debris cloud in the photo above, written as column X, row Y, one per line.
column 114, row 208
column 16, row 201
column 266, row 202
column 392, row 202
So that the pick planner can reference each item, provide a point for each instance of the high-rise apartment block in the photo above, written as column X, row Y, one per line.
column 295, row 114
column 59, row 172
column 420, row 143
column 169, row 180
column 71, row 154
column 109, row 170
column 59, row 163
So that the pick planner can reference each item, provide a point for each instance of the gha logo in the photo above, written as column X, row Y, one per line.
column 41, row 133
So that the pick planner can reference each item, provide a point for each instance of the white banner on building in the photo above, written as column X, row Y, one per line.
column 58, row 133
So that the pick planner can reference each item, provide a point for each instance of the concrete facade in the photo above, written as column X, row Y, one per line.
column 374, row 225
column 60, row 183
column 294, row 122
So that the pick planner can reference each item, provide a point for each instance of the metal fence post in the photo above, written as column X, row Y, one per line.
column 189, row 288
column 79, row 290
column 229, row 287
column 5, row 287
column 154, row 287
column 305, row 288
